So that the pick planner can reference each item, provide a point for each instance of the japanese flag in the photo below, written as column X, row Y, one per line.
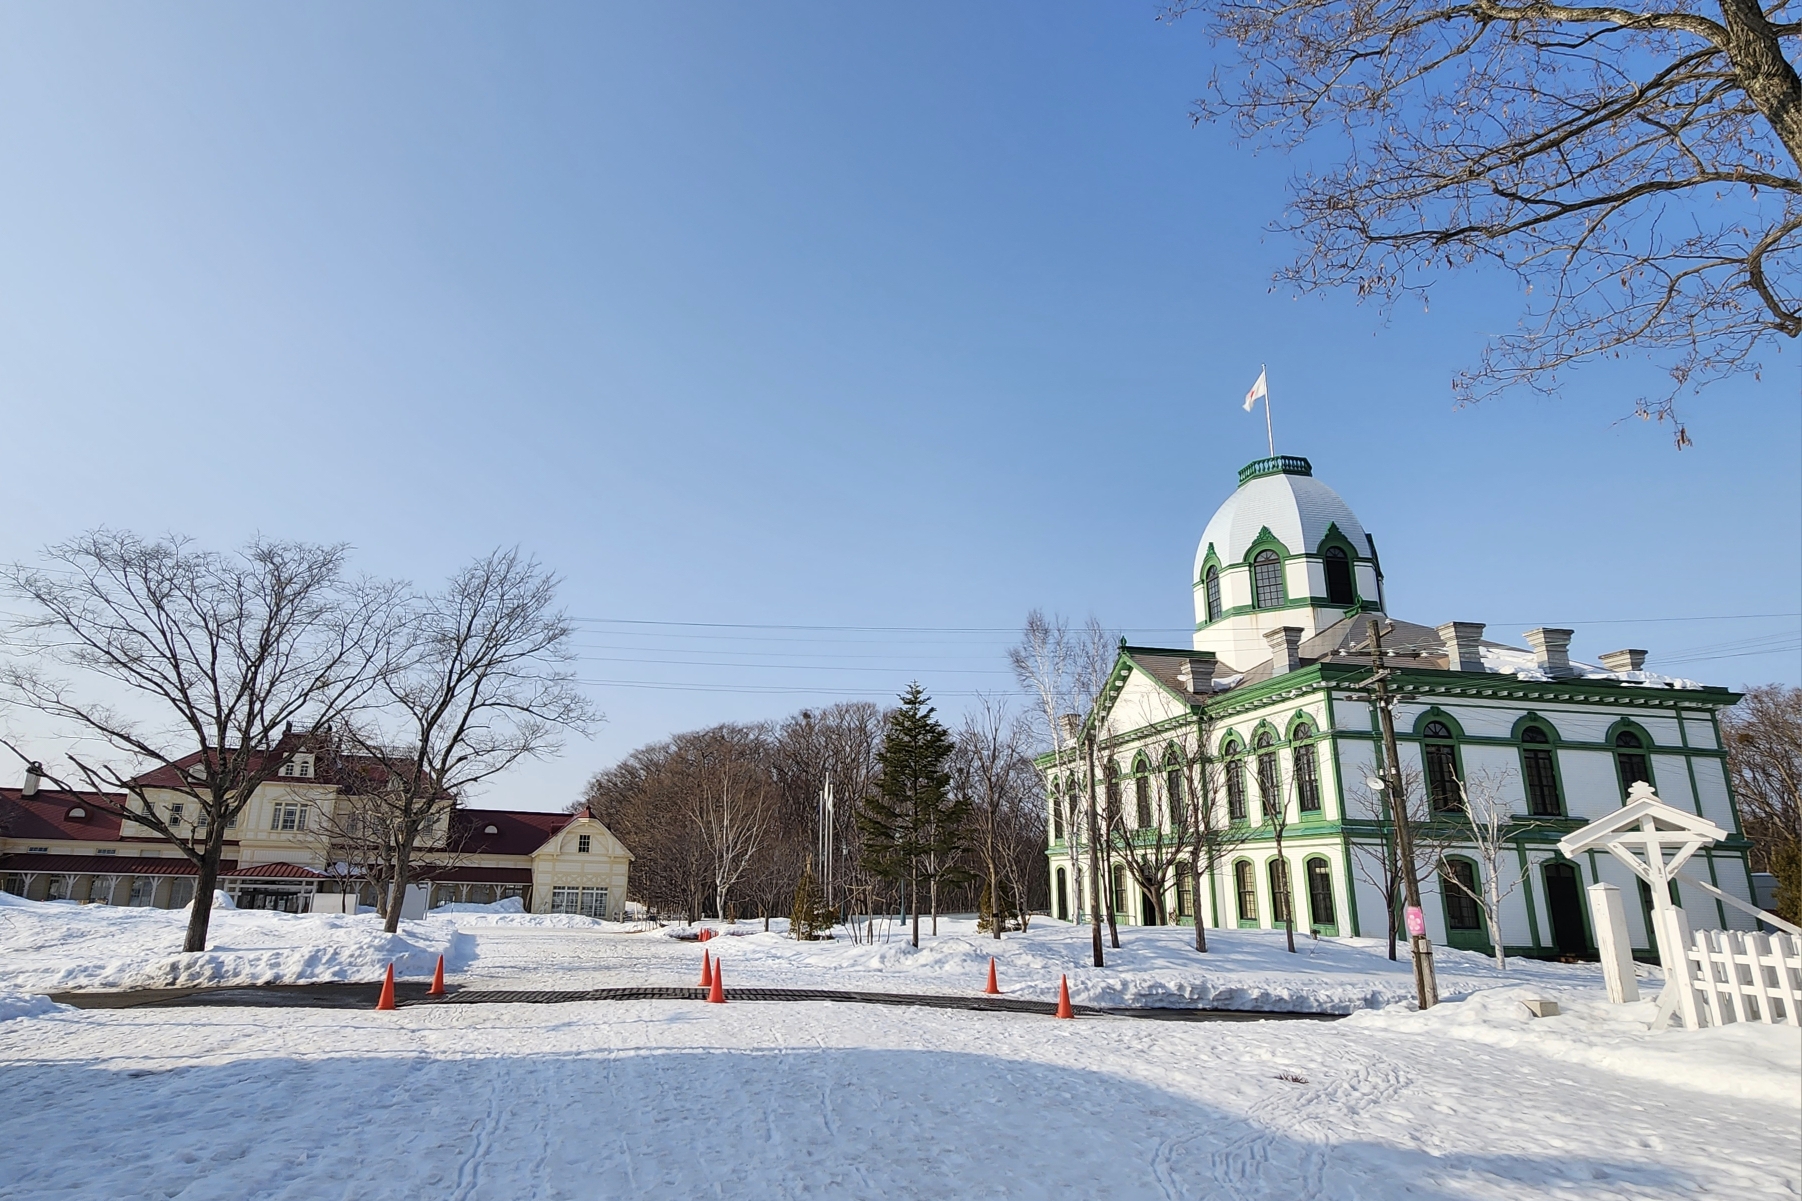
column 1258, row 391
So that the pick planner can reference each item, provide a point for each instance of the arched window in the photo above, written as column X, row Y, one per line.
column 1320, row 892
column 1267, row 580
column 1057, row 814
column 1280, row 910
column 1458, row 883
column 1630, row 758
column 1540, row 773
column 1113, row 788
column 1269, row 783
column 1063, row 896
column 1213, row 593
column 1142, row 799
column 1235, row 784
column 1173, row 784
column 1245, row 883
column 1442, row 768
column 1307, row 770
column 1338, row 577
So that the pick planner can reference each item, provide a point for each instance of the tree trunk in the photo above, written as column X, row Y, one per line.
column 1201, row 921
column 914, row 904
column 995, row 902
column 201, row 912
column 1492, row 888
column 1757, row 57
column 932, row 891
column 1389, row 912
column 397, row 891
column 1094, row 865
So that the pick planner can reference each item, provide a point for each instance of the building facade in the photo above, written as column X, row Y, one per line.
column 282, row 851
column 1270, row 716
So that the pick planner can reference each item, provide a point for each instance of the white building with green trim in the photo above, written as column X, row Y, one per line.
column 1270, row 707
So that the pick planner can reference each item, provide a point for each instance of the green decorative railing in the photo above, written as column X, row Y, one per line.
column 1275, row 465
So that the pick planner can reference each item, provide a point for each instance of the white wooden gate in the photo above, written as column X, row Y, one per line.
column 1739, row 977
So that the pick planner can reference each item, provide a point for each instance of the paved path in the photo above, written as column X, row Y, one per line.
column 407, row 994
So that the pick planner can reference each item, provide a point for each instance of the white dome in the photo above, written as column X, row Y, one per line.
column 1295, row 506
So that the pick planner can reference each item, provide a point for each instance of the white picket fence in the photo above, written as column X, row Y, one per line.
column 1739, row 977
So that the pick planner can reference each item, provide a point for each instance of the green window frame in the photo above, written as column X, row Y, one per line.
column 1118, row 876
column 1270, row 784
column 1462, row 913
column 1539, row 773
column 1235, row 785
column 1267, row 589
column 1057, row 812
column 1439, row 753
column 1211, row 587
column 1632, row 759
column 1340, row 591
column 1282, row 904
column 1245, row 885
column 1143, row 817
column 1306, row 766
column 1185, row 891
column 1320, row 892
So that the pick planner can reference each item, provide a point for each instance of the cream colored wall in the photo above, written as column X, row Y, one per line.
column 557, row 864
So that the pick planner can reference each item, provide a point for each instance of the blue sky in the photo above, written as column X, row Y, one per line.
column 847, row 333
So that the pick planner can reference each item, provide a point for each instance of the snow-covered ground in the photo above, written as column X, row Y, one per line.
column 1474, row 1099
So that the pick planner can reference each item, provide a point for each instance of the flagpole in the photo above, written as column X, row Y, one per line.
column 1268, row 433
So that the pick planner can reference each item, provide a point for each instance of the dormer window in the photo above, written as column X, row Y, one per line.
column 197, row 771
column 491, row 829
column 1267, row 580
column 1338, row 577
column 77, row 813
column 584, row 842
column 300, row 766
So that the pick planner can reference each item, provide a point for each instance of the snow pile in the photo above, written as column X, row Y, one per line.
column 1155, row 967
column 509, row 905
column 16, row 1004
column 1745, row 1059
column 47, row 947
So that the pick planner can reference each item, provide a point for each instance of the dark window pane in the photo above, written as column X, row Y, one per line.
column 1185, row 890
column 1542, row 783
column 1628, row 738
column 1534, row 734
column 1267, row 580
column 1269, row 795
column 1442, row 777
column 1279, row 890
column 1633, row 769
column 1119, row 889
column 1338, row 577
column 1213, row 590
column 1173, row 788
column 1461, row 911
column 1235, row 790
column 1307, row 779
column 1142, row 801
column 1245, row 884
column 1436, row 729
column 1320, row 893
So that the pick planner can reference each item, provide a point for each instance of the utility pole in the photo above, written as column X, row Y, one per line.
column 1094, row 859
column 1426, row 986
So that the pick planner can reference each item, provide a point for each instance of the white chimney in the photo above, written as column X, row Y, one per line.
column 1285, row 649
column 1197, row 674
column 1072, row 724
column 1461, row 639
column 34, row 772
column 1623, row 660
column 1551, row 649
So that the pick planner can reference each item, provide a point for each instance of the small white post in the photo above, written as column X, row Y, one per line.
column 1614, row 943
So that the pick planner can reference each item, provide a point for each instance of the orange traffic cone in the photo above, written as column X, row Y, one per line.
column 387, row 999
column 1063, row 998
column 706, row 934
column 706, row 970
column 993, row 987
column 717, row 994
column 437, row 989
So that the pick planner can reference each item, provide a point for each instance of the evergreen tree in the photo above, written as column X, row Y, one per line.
column 809, row 915
column 912, row 824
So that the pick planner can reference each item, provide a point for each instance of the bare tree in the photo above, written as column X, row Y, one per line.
column 991, row 768
column 1152, row 838
column 1634, row 165
column 1214, row 834
column 480, row 681
column 1384, row 871
column 227, row 651
column 1489, row 825
column 731, row 813
column 1763, row 735
column 1273, row 807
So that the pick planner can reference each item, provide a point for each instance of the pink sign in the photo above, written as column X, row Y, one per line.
column 1416, row 920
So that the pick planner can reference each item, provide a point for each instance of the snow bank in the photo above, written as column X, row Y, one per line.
column 1747, row 1059
column 509, row 905
column 16, row 1004
column 1155, row 967
column 54, row 947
